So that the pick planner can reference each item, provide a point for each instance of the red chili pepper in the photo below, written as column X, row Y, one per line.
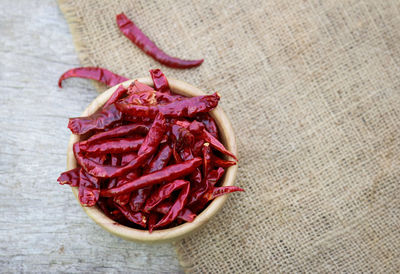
column 163, row 193
column 115, row 161
column 185, row 215
column 152, row 220
column 144, row 98
column 168, row 173
column 175, row 154
column 137, row 86
column 127, row 158
column 101, row 119
column 108, row 207
column 219, row 191
column 134, row 217
column 136, row 119
column 100, row 159
column 161, row 159
column 165, row 98
column 196, row 127
column 118, row 93
column 207, row 156
column 117, row 145
column 133, row 33
column 118, row 132
column 217, row 144
column 222, row 163
column 70, row 177
column 187, row 107
column 154, row 136
column 160, row 81
column 89, row 189
column 176, row 208
column 99, row 74
column 209, row 123
column 197, row 147
column 201, row 189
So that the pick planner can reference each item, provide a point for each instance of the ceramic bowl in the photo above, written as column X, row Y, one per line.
column 171, row 234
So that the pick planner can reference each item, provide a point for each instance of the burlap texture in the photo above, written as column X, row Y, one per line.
column 312, row 89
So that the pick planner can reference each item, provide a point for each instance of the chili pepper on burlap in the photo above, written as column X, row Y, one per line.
column 99, row 74
column 133, row 33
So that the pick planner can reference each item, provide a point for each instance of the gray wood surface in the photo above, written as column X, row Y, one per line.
column 42, row 227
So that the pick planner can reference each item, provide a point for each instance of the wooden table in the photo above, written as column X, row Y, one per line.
column 42, row 227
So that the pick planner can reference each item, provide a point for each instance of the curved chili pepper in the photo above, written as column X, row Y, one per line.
column 201, row 189
column 100, row 159
column 118, row 132
column 89, row 189
column 154, row 136
column 187, row 107
column 219, row 191
column 185, row 215
column 134, row 217
column 137, row 86
column 198, row 145
column 217, row 144
column 117, row 145
column 70, row 177
column 118, row 93
column 168, row 173
column 207, row 156
column 160, row 81
column 163, row 193
column 209, row 123
column 222, row 163
column 99, row 74
column 176, row 208
column 115, row 161
column 101, row 119
column 133, row 33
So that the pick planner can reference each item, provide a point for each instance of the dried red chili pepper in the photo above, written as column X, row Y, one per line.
column 207, row 157
column 168, row 173
column 165, row 98
column 222, row 163
column 219, row 191
column 137, row 86
column 188, row 107
column 133, row 33
column 161, row 159
column 127, row 158
column 118, row 93
column 89, row 189
column 70, row 177
column 117, row 145
column 134, row 217
column 99, row 74
column 176, row 208
column 217, row 144
column 181, row 136
column 145, row 98
column 209, row 123
column 152, row 220
column 154, row 136
column 160, row 81
column 185, row 215
column 101, row 119
column 115, row 161
column 120, row 131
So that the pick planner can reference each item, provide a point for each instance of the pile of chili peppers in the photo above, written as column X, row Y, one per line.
column 150, row 158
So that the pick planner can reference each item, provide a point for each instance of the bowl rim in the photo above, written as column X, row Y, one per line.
column 171, row 234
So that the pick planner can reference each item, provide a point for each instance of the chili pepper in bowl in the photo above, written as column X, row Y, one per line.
column 154, row 175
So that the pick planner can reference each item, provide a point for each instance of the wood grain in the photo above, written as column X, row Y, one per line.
column 43, row 229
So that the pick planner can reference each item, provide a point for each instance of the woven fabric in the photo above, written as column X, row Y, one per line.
column 312, row 90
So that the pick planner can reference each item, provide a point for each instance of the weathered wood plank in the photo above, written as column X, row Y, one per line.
column 42, row 227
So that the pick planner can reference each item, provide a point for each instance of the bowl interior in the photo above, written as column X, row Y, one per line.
column 170, row 234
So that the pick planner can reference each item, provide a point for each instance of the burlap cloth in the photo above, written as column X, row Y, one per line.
column 312, row 89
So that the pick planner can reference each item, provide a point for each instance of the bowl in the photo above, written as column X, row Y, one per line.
column 178, row 232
